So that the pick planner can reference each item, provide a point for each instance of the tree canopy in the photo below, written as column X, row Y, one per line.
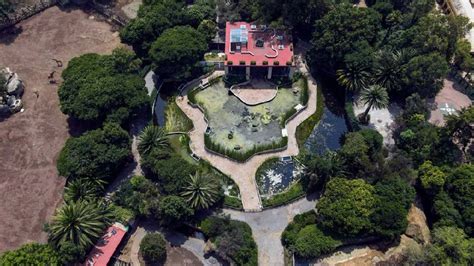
column 31, row 254
column 97, row 154
column 346, row 206
column 99, row 88
column 176, row 52
column 153, row 248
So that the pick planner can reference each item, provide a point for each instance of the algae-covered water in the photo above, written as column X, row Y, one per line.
column 236, row 125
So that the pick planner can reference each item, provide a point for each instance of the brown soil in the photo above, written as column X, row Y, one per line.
column 180, row 256
column 30, row 188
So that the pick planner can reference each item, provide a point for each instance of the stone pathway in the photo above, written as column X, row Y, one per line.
column 268, row 225
column 244, row 173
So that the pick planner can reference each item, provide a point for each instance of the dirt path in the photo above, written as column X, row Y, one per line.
column 30, row 188
column 244, row 173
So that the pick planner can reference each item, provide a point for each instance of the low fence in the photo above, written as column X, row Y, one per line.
column 25, row 12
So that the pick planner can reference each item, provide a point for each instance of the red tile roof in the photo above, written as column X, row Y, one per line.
column 277, row 46
column 106, row 246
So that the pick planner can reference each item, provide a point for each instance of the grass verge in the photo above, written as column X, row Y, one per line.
column 303, row 131
column 295, row 191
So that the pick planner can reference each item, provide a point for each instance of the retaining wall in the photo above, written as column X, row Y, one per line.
column 25, row 12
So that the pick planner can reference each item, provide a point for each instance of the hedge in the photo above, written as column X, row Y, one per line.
column 233, row 203
column 242, row 156
column 294, row 192
column 352, row 120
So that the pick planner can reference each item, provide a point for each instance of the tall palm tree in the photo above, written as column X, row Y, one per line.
column 354, row 77
column 388, row 70
column 80, row 223
column 374, row 96
column 83, row 189
column 201, row 191
column 152, row 137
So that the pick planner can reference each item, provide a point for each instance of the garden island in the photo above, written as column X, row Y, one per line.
column 224, row 132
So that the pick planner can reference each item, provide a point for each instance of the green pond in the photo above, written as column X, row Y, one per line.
column 235, row 125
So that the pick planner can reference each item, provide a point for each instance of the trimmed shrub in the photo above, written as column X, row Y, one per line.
column 229, row 63
column 276, row 63
column 153, row 248
column 265, row 63
column 294, row 192
column 241, row 62
column 312, row 243
column 253, row 63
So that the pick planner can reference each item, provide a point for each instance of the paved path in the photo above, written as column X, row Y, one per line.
column 268, row 225
column 244, row 173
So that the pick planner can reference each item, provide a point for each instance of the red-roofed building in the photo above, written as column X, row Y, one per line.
column 257, row 51
column 106, row 246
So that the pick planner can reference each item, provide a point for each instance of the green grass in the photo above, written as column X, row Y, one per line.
column 233, row 203
column 180, row 145
column 176, row 119
column 294, row 192
column 303, row 131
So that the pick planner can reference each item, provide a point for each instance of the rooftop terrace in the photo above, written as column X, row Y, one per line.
column 254, row 44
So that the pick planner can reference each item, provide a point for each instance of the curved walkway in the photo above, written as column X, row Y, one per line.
column 244, row 173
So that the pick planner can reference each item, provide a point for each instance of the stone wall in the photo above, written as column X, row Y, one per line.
column 25, row 12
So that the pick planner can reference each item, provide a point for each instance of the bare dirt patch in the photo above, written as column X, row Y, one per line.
column 30, row 188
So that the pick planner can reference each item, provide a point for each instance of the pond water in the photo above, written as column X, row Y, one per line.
column 327, row 134
column 159, row 109
column 235, row 125
column 280, row 175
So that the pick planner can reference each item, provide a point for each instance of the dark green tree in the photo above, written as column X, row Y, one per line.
column 153, row 248
column 99, row 88
column 374, row 96
column 201, row 192
column 80, row 223
column 338, row 33
column 152, row 138
column 312, row 243
column 139, row 195
column 346, row 207
column 393, row 200
column 176, row 53
column 31, row 254
column 174, row 210
column 97, row 154
column 153, row 18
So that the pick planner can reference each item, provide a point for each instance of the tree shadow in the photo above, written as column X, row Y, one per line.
column 9, row 35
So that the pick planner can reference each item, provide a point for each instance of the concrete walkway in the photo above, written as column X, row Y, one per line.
column 268, row 225
column 244, row 173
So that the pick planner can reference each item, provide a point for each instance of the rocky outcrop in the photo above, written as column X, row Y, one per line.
column 10, row 101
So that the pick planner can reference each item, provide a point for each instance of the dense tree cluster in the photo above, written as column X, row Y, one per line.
column 403, row 47
column 99, row 88
column 172, row 35
column 31, row 254
column 97, row 154
column 233, row 239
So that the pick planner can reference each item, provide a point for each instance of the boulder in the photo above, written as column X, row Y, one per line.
column 14, row 84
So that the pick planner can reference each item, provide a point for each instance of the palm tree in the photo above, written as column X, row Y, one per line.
column 354, row 77
column 80, row 223
column 83, row 189
column 201, row 191
column 152, row 137
column 374, row 96
column 388, row 70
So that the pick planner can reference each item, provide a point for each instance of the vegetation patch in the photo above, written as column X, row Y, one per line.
column 232, row 239
column 295, row 191
column 303, row 131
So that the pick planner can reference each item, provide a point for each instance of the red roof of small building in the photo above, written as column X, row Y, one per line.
column 277, row 46
column 106, row 246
